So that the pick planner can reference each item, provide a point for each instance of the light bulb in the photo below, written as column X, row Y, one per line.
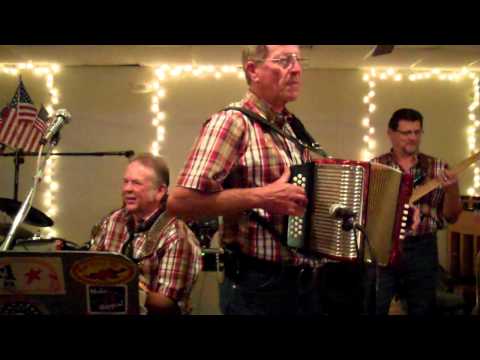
column 55, row 68
column 54, row 186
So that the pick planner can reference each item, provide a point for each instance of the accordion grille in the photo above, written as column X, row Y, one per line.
column 335, row 184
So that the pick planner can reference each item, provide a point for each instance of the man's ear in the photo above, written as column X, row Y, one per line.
column 390, row 133
column 161, row 192
column 251, row 70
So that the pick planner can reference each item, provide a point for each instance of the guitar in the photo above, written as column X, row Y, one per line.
column 433, row 184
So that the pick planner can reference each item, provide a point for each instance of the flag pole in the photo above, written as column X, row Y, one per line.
column 18, row 160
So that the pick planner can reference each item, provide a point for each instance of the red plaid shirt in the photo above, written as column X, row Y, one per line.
column 431, row 205
column 171, row 267
column 232, row 152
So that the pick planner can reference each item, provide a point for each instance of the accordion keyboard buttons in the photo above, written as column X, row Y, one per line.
column 296, row 227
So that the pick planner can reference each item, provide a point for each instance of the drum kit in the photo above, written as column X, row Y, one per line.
column 27, row 240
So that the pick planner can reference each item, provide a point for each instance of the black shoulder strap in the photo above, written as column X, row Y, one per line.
column 304, row 140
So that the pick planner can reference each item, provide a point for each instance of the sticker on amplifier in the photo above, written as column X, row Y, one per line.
column 103, row 270
column 31, row 276
column 105, row 300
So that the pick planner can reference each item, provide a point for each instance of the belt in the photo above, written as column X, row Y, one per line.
column 251, row 263
column 419, row 238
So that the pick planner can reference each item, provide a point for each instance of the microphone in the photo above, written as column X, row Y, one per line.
column 62, row 117
column 338, row 211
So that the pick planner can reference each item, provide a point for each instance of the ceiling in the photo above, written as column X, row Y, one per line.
column 319, row 56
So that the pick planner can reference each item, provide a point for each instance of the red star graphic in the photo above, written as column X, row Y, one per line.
column 33, row 274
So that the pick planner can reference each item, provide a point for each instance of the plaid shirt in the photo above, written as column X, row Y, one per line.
column 431, row 205
column 233, row 152
column 173, row 260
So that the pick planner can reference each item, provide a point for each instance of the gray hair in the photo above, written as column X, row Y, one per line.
column 255, row 53
column 157, row 164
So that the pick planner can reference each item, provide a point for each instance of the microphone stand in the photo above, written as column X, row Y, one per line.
column 27, row 203
column 349, row 224
column 19, row 160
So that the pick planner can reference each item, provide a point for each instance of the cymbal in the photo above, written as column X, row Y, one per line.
column 21, row 233
column 34, row 217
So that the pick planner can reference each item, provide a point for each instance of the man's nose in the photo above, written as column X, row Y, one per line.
column 296, row 66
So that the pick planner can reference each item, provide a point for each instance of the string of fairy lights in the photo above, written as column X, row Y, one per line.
column 51, row 186
column 373, row 76
column 166, row 72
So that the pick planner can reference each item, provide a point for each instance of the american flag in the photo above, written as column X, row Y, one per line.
column 21, row 126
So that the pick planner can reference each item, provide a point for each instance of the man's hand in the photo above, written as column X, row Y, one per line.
column 142, row 286
column 283, row 198
column 416, row 218
column 448, row 179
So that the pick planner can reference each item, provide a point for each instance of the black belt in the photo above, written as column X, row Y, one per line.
column 418, row 238
column 254, row 264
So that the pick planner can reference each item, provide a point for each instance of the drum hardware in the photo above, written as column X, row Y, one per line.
column 21, row 233
column 34, row 216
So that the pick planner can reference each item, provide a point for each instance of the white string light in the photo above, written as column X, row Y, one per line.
column 371, row 76
column 167, row 72
column 48, row 71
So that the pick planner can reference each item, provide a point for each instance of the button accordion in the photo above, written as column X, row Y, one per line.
column 376, row 193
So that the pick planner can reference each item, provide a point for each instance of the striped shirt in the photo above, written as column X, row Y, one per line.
column 431, row 205
column 233, row 152
column 171, row 255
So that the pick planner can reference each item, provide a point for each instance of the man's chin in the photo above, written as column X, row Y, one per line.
column 291, row 96
column 131, row 208
column 411, row 152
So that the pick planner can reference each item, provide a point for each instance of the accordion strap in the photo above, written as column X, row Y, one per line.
column 263, row 222
column 304, row 140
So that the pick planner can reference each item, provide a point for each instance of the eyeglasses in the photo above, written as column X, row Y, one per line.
column 410, row 132
column 288, row 60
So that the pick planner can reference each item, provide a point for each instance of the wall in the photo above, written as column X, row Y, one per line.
column 108, row 116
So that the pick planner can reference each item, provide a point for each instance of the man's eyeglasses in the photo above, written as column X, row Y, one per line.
column 288, row 60
column 410, row 132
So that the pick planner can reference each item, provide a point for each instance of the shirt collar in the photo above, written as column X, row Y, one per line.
column 144, row 224
column 395, row 160
column 266, row 110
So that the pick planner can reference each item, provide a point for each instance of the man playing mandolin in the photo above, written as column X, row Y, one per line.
column 415, row 275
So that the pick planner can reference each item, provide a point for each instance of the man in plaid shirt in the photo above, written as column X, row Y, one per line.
column 237, row 166
column 166, row 251
column 415, row 277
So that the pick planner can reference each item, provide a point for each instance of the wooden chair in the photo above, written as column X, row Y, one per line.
column 463, row 247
